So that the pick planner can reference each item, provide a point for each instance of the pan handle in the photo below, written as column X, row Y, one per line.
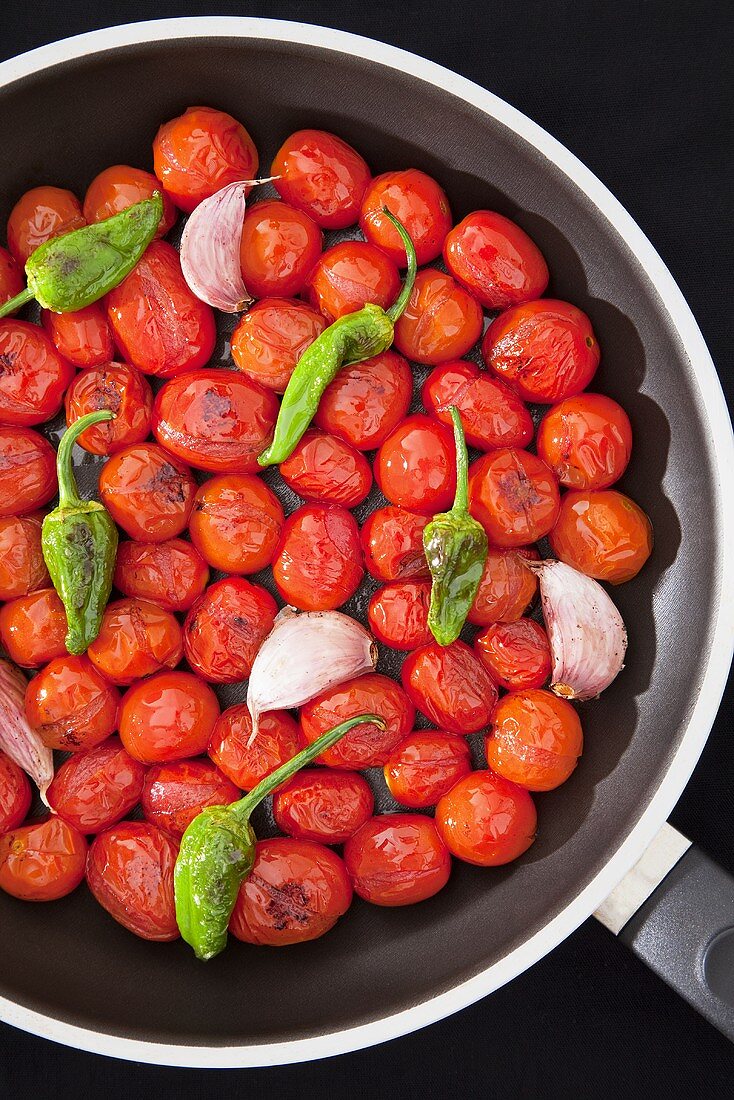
column 675, row 910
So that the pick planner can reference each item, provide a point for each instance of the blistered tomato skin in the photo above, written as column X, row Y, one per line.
column 147, row 492
column 416, row 465
column 93, row 790
column 535, row 740
column 514, row 496
column 271, row 337
column 496, row 260
column 43, row 860
column 245, row 764
column 516, row 655
column 83, row 337
column 278, row 249
column 136, row 639
column 441, row 321
column 130, row 873
column 22, row 568
column 506, row 589
column 586, row 441
column 236, row 523
column 39, row 215
column 392, row 543
column 33, row 628
column 425, row 766
column 33, row 376
column 348, row 276
column 323, row 805
column 15, row 794
column 397, row 859
column 450, row 685
column 121, row 389
column 168, row 717
column 325, row 468
column 318, row 565
column 27, row 471
column 398, row 614
column 418, row 202
column 602, row 533
column 225, row 628
column 491, row 414
column 367, row 400
column 174, row 794
column 11, row 277
column 321, row 174
column 172, row 574
column 486, row 820
column 120, row 186
column 70, row 705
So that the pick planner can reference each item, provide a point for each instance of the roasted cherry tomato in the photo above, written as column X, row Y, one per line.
column 486, row 820
column 93, row 790
column 160, row 325
column 201, row 151
column 136, row 639
column 148, row 492
column 323, row 805
column 450, row 685
column 296, row 891
column 120, row 186
column 367, row 400
column 535, row 740
column 506, row 589
column 397, row 859
column 130, row 873
column 22, row 568
column 43, row 860
column 321, row 174
column 441, row 321
column 39, row 215
column 271, row 337
column 168, row 717
column 83, row 337
column 418, row 202
column 278, row 739
column 496, row 260
column 236, row 523
column 416, row 465
column 27, row 471
column 33, row 376
column 11, row 277
column 365, row 746
column 392, row 543
column 33, row 628
column 602, row 533
column 174, row 794
column 278, row 249
column 70, row 705
column 491, row 414
column 119, row 388
column 398, row 614
column 225, row 628
column 326, row 468
column 348, row 276
column 586, row 441
column 216, row 420
column 319, row 561
column 171, row 573
column 516, row 655
column 15, row 794
column 514, row 496
column 544, row 350
column 425, row 766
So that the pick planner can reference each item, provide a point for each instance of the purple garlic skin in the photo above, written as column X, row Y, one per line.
column 17, row 739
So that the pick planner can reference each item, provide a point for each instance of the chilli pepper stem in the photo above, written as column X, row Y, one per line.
column 398, row 307
column 15, row 303
column 461, row 497
column 68, row 492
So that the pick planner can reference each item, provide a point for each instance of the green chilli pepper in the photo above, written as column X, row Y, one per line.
column 70, row 272
column 349, row 339
column 218, row 850
column 79, row 543
column 456, row 550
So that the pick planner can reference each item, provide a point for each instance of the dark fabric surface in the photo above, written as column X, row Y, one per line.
column 642, row 92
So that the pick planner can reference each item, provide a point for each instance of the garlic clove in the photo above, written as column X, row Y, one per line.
column 17, row 739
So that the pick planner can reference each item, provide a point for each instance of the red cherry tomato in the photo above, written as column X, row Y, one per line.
column 225, row 628
column 296, row 891
column 120, row 186
column 544, row 350
column 425, row 766
column 416, row 465
column 119, row 388
column 236, row 523
column 486, row 820
column 201, row 151
column 168, row 717
column 321, row 174
column 11, row 277
column 450, row 685
column 70, row 705
column 27, row 471
column 149, row 493
column 326, row 468
column 492, row 415
column 33, row 376
column 441, row 321
column 39, row 215
column 278, row 249
column 43, row 860
column 22, row 568
column 535, row 740
column 496, row 260
column 33, row 628
column 83, row 337
column 174, row 794
column 602, row 533
column 322, row 805
column 398, row 614
column 246, row 763
column 516, row 655
column 397, row 859
column 136, row 639
column 93, row 790
column 367, row 400
column 130, row 873
column 319, row 562
column 418, row 202
column 271, row 337
column 15, row 794
column 348, row 276
column 514, row 496
column 365, row 746
column 506, row 589
column 160, row 325
column 392, row 543
column 171, row 573
column 586, row 441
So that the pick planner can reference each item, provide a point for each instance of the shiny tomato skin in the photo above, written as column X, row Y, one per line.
column 296, row 891
column 278, row 249
column 544, row 350
column 323, row 805
column 586, row 441
column 147, row 492
column 397, row 859
column 506, row 589
column 22, row 567
column 245, row 764
column 367, row 400
column 70, row 705
column 121, row 389
column 167, row 717
column 159, row 324
column 441, row 321
column 172, row 573
column 39, row 215
column 11, row 277
column 365, row 746
column 514, row 495
column 199, row 152
column 450, row 685
column 236, row 523
column 174, row 794
column 15, row 794
column 398, row 614
column 225, row 628
column 318, row 565
column 27, row 471
column 323, row 175
column 425, row 766
column 33, row 628
column 271, row 337
column 136, row 639
column 392, row 544
column 496, row 260
column 95, row 789
column 348, row 276
column 516, row 655
column 130, row 872
column 416, row 465
column 326, row 468
column 486, row 820
column 535, row 739
column 418, row 202
column 33, row 376
column 602, row 533
column 491, row 414
column 120, row 186
column 83, row 337
column 42, row 860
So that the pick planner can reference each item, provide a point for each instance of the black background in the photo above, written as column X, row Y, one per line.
column 643, row 93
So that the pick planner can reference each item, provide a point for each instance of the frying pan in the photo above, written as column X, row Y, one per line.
column 67, row 971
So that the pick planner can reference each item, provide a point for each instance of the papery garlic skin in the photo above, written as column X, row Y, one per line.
column 17, row 739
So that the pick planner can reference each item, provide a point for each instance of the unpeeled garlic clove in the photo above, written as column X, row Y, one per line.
column 17, row 739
